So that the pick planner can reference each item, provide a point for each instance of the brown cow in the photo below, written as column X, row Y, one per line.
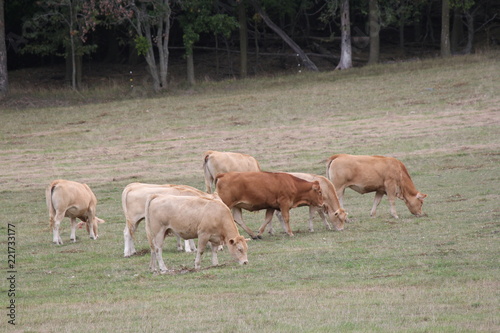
column 134, row 197
column 266, row 190
column 380, row 174
column 66, row 198
column 334, row 213
column 215, row 162
column 207, row 219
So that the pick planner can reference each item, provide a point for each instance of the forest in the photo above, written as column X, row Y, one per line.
column 242, row 38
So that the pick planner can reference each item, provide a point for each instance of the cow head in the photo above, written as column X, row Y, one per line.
column 337, row 217
column 238, row 248
column 95, row 224
column 415, row 203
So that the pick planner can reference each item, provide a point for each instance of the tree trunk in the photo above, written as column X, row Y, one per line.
column 163, row 33
column 346, row 49
column 303, row 56
column 445, row 29
column 470, row 32
column 242, row 18
column 457, row 30
column 374, row 17
column 4, row 80
column 190, row 68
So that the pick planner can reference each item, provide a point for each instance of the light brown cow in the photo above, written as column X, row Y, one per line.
column 379, row 174
column 207, row 219
column 215, row 162
column 67, row 198
column 134, row 197
column 266, row 190
column 334, row 213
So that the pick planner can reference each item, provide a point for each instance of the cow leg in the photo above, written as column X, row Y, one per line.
column 312, row 210
column 269, row 217
column 286, row 217
column 92, row 225
column 376, row 201
column 73, row 229
column 323, row 215
column 189, row 245
column 157, row 248
column 179, row 243
column 215, row 248
column 128, row 239
column 56, row 239
column 238, row 218
column 202, row 243
column 392, row 204
column 280, row 218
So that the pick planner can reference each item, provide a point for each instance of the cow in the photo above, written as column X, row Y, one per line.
column 266, row 190
column 134, row 197
column 379, row 174
column 215, row 162
column 207, row 219
column 71, row 199
column 334, row 213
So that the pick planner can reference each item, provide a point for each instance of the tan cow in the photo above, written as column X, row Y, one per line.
column 67, row 198
column 207, row 219
column 379, row 174
column 134, row 197
column 266, row 190
column 215, row 162
column 334, row 213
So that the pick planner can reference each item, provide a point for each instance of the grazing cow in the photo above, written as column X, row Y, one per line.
column 215, row 162
column 379, row 174
column 134, row 201
column 266, row 190
column 207, row 219
column 66, row 198
column 334, row 213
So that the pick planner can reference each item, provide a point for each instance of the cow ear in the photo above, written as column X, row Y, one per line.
column 232, row 241
column 421, row 196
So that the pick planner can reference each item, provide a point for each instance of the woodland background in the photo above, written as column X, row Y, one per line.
column 162, row 44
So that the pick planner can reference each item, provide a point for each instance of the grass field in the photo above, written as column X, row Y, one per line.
column 438, row 273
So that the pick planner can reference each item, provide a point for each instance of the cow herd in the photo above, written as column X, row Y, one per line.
column 239, row 183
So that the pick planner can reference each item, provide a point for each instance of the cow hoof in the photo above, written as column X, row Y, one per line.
column 257, row 237
column 73, row 240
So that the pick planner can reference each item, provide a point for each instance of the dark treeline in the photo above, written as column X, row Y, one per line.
column 40, row 33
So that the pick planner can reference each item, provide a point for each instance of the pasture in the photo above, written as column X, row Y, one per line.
column 438, row 273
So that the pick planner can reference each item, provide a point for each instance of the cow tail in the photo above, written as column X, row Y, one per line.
column 48, row 197
column 209, row 178
column 206, row 157
column 328, row 163
column 147, row 219
column 129, row 223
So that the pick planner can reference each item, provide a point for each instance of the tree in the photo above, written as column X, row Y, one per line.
column 345, row 28
column 198, row 18
column 445, row 29
column 296, row 48
column 242, row 19
column 374, row 19
column 4, row 80
column 66, row 23
column 150, row 22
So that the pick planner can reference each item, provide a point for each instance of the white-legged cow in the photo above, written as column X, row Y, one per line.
column 71, row 199
column 207, row 219
column 215, row 162
column 272, row 191
column 379, row 174
column 134, row 201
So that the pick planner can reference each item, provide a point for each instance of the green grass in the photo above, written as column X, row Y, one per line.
column 438, row 273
